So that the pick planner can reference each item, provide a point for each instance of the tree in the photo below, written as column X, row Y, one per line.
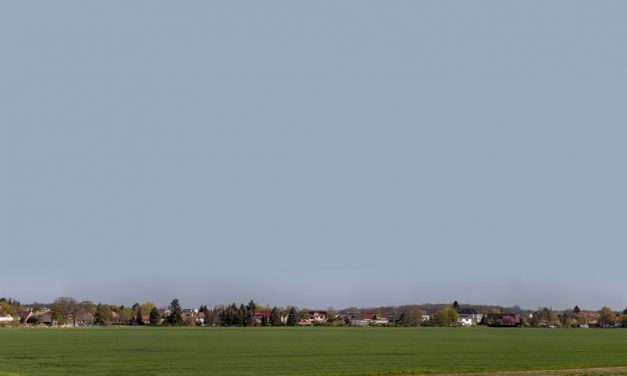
column 411, row 317
column 545, row 317
column 264, row 321
column 303, row 314
column 88, row 306
column 65, row 310
column 103, row 315
column 175, row 317
column 292, row 317
column 242, row 313
column 147, row 307
column 36, row 306
column 251, row 308
column 155, row 317
column 134, row 308
column 124, row 315
column 456, row 306
column 577, row 310
column 624, row 320
column 447, row 316
column 275, row 317
column 567, row 319
column 206, row 314
column 625, row 311
column 606, row 317
column 231, row 316
column 138, row 318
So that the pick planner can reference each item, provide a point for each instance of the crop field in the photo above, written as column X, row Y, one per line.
column 306, row 351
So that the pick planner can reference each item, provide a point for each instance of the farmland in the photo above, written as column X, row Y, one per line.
column 304, row 351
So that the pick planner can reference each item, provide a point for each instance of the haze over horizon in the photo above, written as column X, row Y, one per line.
column 318, row 154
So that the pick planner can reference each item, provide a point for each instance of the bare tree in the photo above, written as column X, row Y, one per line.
column 65, row 309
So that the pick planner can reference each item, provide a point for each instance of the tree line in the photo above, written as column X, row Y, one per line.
column 68, row 311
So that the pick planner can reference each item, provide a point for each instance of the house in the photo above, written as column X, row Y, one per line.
column 44, row 318
column 425, row 318
column 359, row 319
column 145, row 319
column 84, row 319
column 318, row 317
column 259, row 315
column 5, row 319
column 200, row 319
column 379, row 320
column 366, row 319
column 189, row 316
column 24, row 316
column 305, row 322
column 587, row 319
column 469, row 317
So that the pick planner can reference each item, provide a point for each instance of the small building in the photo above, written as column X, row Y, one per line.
column 367, row 319
column 24, row 316
column 5, row 318
column 200, row 319
column 145, row 319
column 84, row 319
column 44, row 318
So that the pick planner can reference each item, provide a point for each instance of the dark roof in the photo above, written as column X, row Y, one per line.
column 467, row 311
column 85, row 316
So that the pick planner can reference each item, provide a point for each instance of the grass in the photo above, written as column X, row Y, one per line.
column 304, row 351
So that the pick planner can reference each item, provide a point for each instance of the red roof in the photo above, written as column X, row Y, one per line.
column 263, row 312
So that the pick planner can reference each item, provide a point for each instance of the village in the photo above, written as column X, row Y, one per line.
column 67, row 312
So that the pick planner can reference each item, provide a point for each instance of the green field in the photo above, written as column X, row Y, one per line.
column 303, row 351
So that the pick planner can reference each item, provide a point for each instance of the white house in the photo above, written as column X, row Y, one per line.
column 469, row 317
column 366, row 319
column 4, row 318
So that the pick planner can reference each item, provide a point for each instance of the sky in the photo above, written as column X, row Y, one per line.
column 314, row 153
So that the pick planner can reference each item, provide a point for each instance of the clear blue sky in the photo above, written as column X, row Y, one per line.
column 317, row 153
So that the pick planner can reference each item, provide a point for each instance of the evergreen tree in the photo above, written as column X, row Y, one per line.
column 456, row 306
column 205, row 312
column 264, row 321
column 576, row 309
column 175, row 317
column 138, row 317
column 233, row 316
column 292, row 317
column 275, row 317
column 134, row 308
column 154, row 316
column 243, row 315
column 251, row 309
